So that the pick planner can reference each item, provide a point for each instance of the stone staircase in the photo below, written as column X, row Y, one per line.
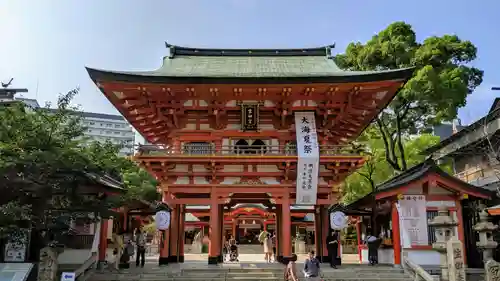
column 267, row 273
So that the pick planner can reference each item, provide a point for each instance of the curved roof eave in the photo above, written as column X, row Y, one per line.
column 337, row 77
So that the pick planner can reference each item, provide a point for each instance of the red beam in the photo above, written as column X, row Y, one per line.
column 240, row 159
column 239, row 174
column 247, row 189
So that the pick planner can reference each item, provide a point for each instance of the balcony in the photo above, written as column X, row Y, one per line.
column 480, row 176
column 210, row 150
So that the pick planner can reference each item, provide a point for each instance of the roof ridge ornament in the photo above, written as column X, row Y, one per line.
column 171, row 49
column 329, row 48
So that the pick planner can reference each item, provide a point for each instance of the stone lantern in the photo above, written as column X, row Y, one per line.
column 485, row 230
column 444, row 227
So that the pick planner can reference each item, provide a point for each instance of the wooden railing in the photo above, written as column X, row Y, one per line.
column 479, row 172
column 210, row 149
column 416, row 271
column 79, row 241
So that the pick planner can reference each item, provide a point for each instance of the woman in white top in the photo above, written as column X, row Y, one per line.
column 268, row 247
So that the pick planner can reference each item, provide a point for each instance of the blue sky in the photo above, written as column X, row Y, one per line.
column 45, row 45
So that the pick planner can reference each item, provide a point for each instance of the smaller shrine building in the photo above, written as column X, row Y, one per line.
column 405, row 204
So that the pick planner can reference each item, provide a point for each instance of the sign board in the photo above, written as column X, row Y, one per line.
column 413, row 219
column 308, row 158
column 68, row 276
column 162, row 220
column 249, row 117
column 338, row 220
column 16, row 248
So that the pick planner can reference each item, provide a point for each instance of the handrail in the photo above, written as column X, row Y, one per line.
column 88, row 264
column 418, row 273
column 478, row 172
column 244, row 150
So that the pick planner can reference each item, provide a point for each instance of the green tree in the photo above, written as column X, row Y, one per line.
column 43, row 170
column 376, row 169
column 440, row 84
column 138, row 183
column 44, row 160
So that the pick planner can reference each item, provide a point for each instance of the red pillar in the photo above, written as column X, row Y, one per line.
column 164, row 239
column 103, row 241
column 358, row 238
column 213, row 248
column 325, row 231
column 174, row 234
column 278, row 230
column 395, row 234
column 182, row 233
column 460, row 226
column 286, row 227
column 233, row 231
column 317, row 233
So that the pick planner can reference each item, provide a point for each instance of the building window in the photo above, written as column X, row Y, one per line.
column 92, row 123
column 198, row 148
column 430, row 229
column 90, row 131
column 117, row 133
column 257, row 146
column 109, row 125
column 118, row 126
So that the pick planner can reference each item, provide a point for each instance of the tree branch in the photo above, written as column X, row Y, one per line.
column 388, row 147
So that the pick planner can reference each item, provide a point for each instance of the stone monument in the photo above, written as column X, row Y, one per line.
column 455, row 254
column 48, row 266
column 444, row 227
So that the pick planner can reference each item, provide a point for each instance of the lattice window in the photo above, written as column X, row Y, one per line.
column 251, row 146
column 198, row 148
column 430, row 229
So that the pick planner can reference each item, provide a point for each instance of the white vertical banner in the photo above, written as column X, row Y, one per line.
column 413, row 217
column 308, row 158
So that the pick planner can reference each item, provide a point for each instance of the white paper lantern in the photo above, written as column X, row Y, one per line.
column 338, row 220
column 162, row 220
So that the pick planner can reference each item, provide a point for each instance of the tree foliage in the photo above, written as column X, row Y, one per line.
column 439, row 86
column 376, row 169
column 45, row 159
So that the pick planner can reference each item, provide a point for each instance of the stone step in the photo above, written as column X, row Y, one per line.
column 272, row 278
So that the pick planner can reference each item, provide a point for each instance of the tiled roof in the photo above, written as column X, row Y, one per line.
column 251, row 63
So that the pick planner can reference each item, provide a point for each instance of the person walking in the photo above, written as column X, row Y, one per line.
column 311, row 267
column 333, row 248
column 373, row 245
column 273, row 242
column 268, row 252
column 140, row 241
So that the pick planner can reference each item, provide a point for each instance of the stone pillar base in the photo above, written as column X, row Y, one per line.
column 163, row 261
column 101, row 264
column 181, row 259
column 172, row 259
column 213, row 260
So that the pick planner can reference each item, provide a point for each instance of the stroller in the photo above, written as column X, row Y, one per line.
column 232, row 250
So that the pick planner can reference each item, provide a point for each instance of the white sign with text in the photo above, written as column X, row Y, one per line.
column 308, row 158
column 413, row 219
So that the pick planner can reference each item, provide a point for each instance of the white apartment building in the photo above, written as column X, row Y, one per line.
column 109, row 127
column 100, row 127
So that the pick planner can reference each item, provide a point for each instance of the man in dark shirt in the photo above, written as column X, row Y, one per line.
column 311, row 267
